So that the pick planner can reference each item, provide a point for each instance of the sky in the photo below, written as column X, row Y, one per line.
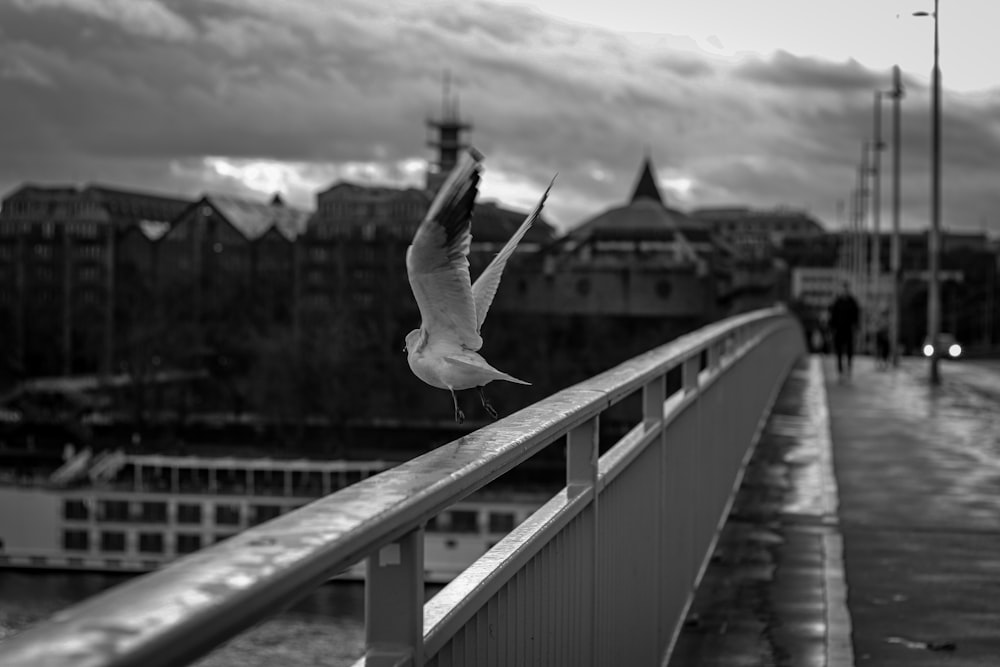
column 762, row 103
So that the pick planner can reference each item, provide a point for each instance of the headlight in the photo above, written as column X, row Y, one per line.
column 928, row 350
column 955, row 350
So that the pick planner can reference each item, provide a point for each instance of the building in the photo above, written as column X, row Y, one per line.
column 639, row 259
column 757, row 232
column 58, row 260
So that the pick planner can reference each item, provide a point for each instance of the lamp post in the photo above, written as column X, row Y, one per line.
column 864, row 257
column 875, row 268
column 934, row 238
column 896, row 94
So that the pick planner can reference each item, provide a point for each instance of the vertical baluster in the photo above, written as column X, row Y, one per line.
column 714, row 356
column 653, row 394
column 581, row 475
column 689, row 374
column 394, row 603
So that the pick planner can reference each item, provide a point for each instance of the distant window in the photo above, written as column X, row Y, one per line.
column 112, row 510
column 583, row 287
column 113, row 541
column 76, row 540
column 188, row 542
column 663, row 289
column 501, row 522
column 154, row 512
column 262, row 513
column 75, row 509
column 151, row 543
column 187, row 513
column 228, row 515
column 464, row 521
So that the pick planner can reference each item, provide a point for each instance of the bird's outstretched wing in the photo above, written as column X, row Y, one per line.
column 437, row 262
column 486, row 285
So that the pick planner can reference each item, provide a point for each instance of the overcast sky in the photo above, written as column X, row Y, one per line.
column 763, row 103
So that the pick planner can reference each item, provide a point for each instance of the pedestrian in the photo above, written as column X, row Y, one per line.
column 844, row 318
column 882, row 341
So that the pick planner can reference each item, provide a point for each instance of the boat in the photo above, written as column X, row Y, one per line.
column 113, row 511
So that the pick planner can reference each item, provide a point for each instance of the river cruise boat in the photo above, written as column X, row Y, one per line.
column 118, row 512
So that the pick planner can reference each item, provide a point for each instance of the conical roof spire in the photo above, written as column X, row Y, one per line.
column 646, row 185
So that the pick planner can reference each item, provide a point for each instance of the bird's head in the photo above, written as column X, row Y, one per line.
column 412, row 341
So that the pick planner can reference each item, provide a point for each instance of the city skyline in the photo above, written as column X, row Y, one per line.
column 251, row 98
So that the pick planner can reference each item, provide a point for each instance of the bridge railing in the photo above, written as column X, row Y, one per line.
column 601, row 574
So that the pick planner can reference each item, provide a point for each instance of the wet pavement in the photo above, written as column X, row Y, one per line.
column 919, row 475
column 911, row 518
column 774, row 591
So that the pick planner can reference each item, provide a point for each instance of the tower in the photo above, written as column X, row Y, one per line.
column 446, row 136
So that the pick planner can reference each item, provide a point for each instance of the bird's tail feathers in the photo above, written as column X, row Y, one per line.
column 484, row 368
column 511, row 378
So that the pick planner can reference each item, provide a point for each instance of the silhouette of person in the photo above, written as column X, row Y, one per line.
column 844, row 318
column 882, row 341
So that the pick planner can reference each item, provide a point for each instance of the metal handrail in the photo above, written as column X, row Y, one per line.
column 186, row 609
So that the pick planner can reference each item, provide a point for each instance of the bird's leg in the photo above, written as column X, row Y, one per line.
column 490, row 410
column 459, row 415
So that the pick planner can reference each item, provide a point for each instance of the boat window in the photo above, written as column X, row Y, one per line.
column 155, row 479
column 464, row 521
column 262, row 513
column 231, row 481
column 151, row 543
column 269, row 483
column 307, row 483
column 153, row 512
column 112, row 510
column 188, row 542
column 112, row 540
column 501, row 522
column 187, row 513
column 228, row 515
column 75, row 509
column 76, row 540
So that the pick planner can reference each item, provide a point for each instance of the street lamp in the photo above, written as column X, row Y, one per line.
column 934, row 238
column 896, row 94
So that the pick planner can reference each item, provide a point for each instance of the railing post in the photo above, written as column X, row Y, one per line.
column 394, row 603
column 581, row 475
column 581, row 458
column 654, row 393
column 714, row 356
column 689, row 374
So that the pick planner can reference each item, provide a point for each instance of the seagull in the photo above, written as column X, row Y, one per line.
column 443, row 352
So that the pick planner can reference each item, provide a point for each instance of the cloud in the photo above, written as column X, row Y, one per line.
column 253, row 95
column 144, row 18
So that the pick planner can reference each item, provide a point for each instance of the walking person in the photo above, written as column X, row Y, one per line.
column 882, row 342
column 844, row 318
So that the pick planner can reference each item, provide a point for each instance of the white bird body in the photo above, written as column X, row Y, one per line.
column 446, row 367
column 443, row 352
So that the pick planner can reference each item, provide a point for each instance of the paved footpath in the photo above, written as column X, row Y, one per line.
column 774, row 591
column 910, row 520
column 919, row 480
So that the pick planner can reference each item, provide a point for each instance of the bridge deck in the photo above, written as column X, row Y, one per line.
column 917, row 509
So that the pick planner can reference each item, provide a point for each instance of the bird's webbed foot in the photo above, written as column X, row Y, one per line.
column 490, row 410
column 459, row 415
